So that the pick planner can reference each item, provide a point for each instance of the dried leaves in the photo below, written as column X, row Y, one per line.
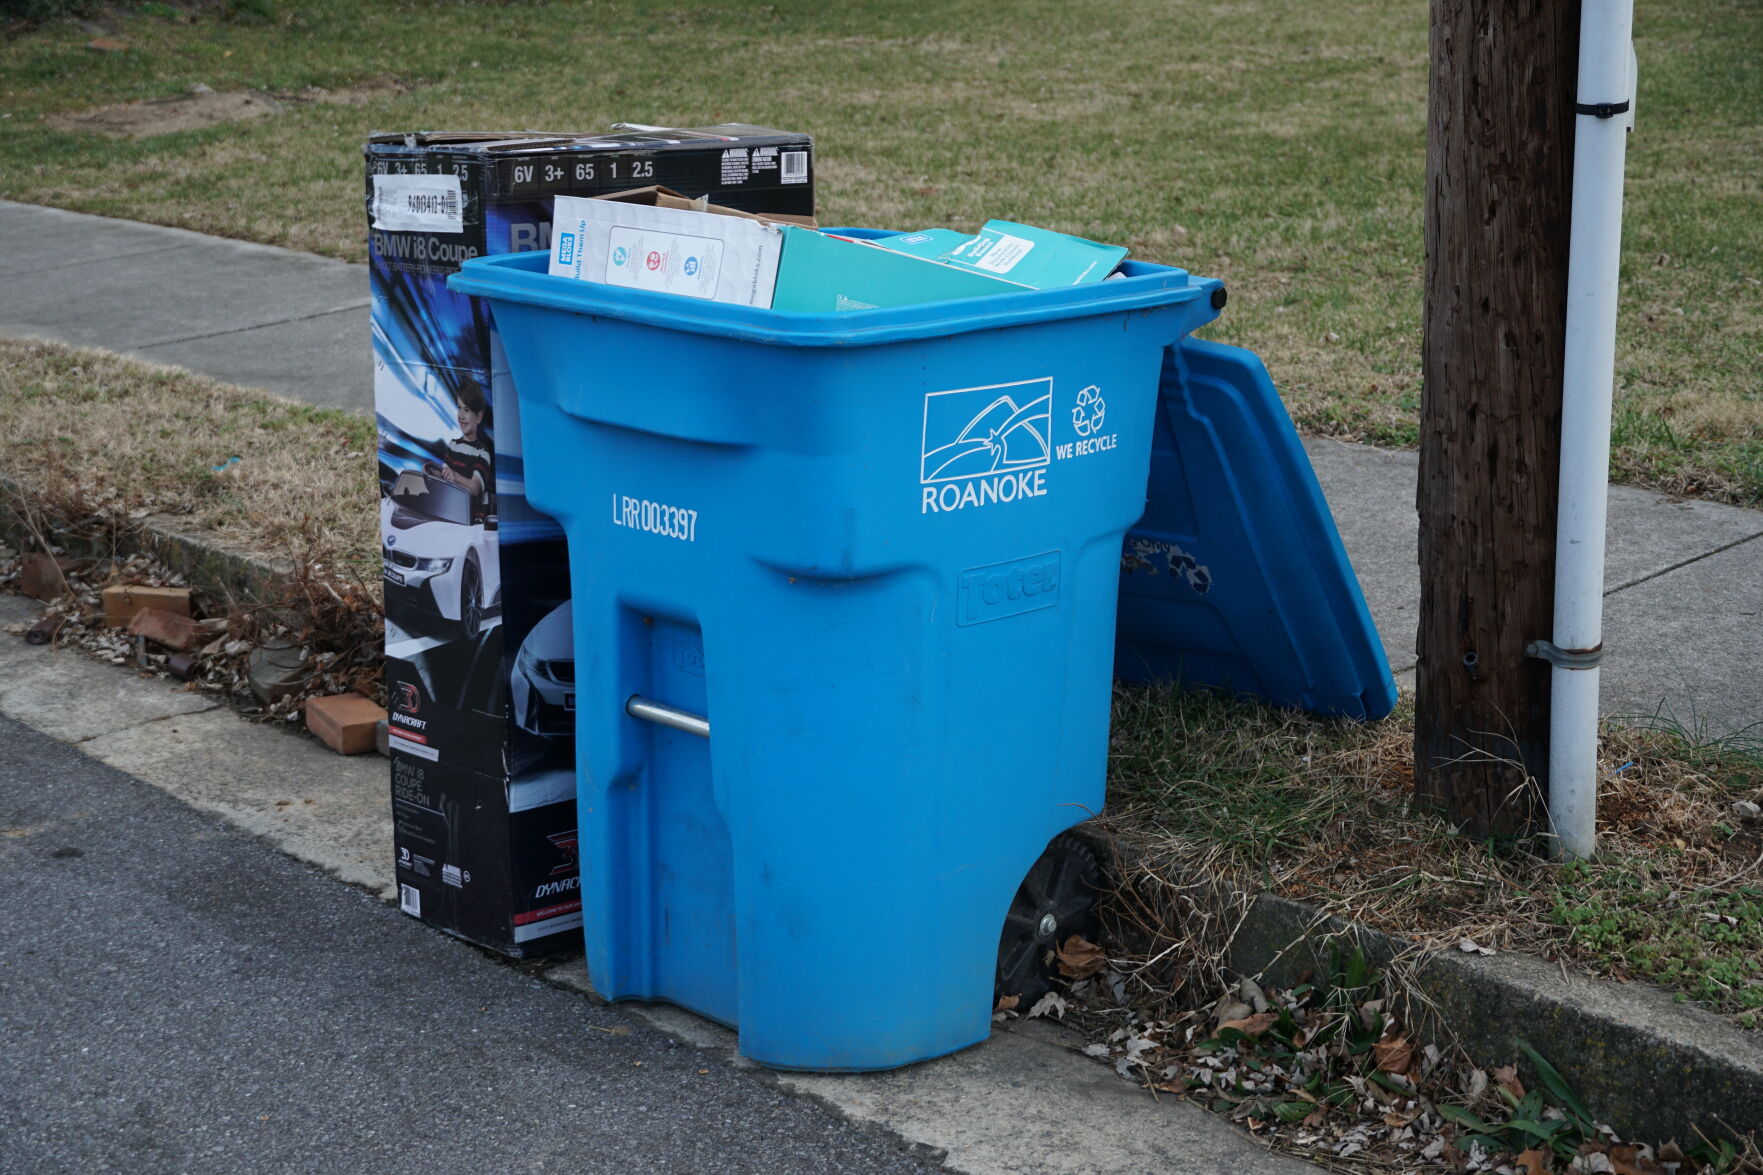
column 1255, row 1025
column 1394, row 1055
column 1079, row 958
column 335, row 622
column 1533, row 1162
column 1329, row 1073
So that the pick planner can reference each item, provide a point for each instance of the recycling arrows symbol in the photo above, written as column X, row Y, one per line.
column 1091, row 409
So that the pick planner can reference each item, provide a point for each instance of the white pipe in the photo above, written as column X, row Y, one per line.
column 1606, row 78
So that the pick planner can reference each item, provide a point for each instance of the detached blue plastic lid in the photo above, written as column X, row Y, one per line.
column 1235, row 579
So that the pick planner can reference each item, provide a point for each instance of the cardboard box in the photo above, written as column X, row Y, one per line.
column 660, row 196
column 479, row 652
column 1035, row 257
column 822, row 273
column 650, row 246
column 929, row 243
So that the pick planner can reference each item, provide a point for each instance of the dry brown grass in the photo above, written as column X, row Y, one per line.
column 1218, row 798
column 103, row 436
column 99, row 446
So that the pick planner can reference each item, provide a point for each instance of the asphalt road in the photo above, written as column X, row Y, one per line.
column 177, row 997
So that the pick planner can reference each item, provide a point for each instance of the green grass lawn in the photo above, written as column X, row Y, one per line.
column 1280, row 146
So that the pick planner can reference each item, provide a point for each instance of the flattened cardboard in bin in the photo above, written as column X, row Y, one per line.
column 824, row 273
column 1035, row 257
column 646, row 246
column 1235, row 578
column 930, row 243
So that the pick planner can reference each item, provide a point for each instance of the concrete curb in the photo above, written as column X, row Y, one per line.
column 205, row 565
column 1652, row 1068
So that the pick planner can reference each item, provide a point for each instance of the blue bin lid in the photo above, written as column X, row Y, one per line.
column 1235, row 578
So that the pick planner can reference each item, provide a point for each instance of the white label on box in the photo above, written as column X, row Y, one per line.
column 1005, row 252
column 431, row 203
column 648, row 260
column 671, row 250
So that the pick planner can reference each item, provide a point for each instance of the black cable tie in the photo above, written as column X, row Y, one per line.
column 1601, row 109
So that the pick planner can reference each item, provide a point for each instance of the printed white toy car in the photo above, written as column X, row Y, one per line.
column 542, row 686
column 435, row 552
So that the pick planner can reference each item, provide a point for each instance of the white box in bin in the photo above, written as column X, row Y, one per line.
column 697, row 254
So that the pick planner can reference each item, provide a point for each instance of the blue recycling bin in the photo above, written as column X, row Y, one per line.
column 844, row 599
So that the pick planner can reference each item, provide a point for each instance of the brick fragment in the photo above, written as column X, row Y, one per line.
column 123, row 600
column 346, row 722
column 167, row 628
column 44, row 630
column 43, row 576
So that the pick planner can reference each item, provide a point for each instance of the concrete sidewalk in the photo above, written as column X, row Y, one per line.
column 1025, row 1102
column 248, row 314
column 1684, row 607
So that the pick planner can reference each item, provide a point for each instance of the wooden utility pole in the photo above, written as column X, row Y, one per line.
column 1499, row 186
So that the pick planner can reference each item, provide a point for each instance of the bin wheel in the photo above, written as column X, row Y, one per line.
column 1055, row 901
column 471, row 600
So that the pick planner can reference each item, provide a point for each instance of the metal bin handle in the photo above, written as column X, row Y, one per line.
column 661, row 714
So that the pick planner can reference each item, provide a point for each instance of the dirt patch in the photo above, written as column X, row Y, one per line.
column 357, row 95
column 163, row 116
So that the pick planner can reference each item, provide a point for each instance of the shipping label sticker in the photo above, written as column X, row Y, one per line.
column 1005, row 252
column 426, row 203
column 671, row 262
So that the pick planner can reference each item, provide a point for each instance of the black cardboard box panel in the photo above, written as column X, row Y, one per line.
column 473, row 861
column 483, row 194
column 480, row 657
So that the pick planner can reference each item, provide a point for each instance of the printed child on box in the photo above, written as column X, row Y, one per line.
column 468, row 458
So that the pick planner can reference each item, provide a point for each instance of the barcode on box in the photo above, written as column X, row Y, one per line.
column 431, row 203
column 410, row 900
column 421, row 203
column 794, row 169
